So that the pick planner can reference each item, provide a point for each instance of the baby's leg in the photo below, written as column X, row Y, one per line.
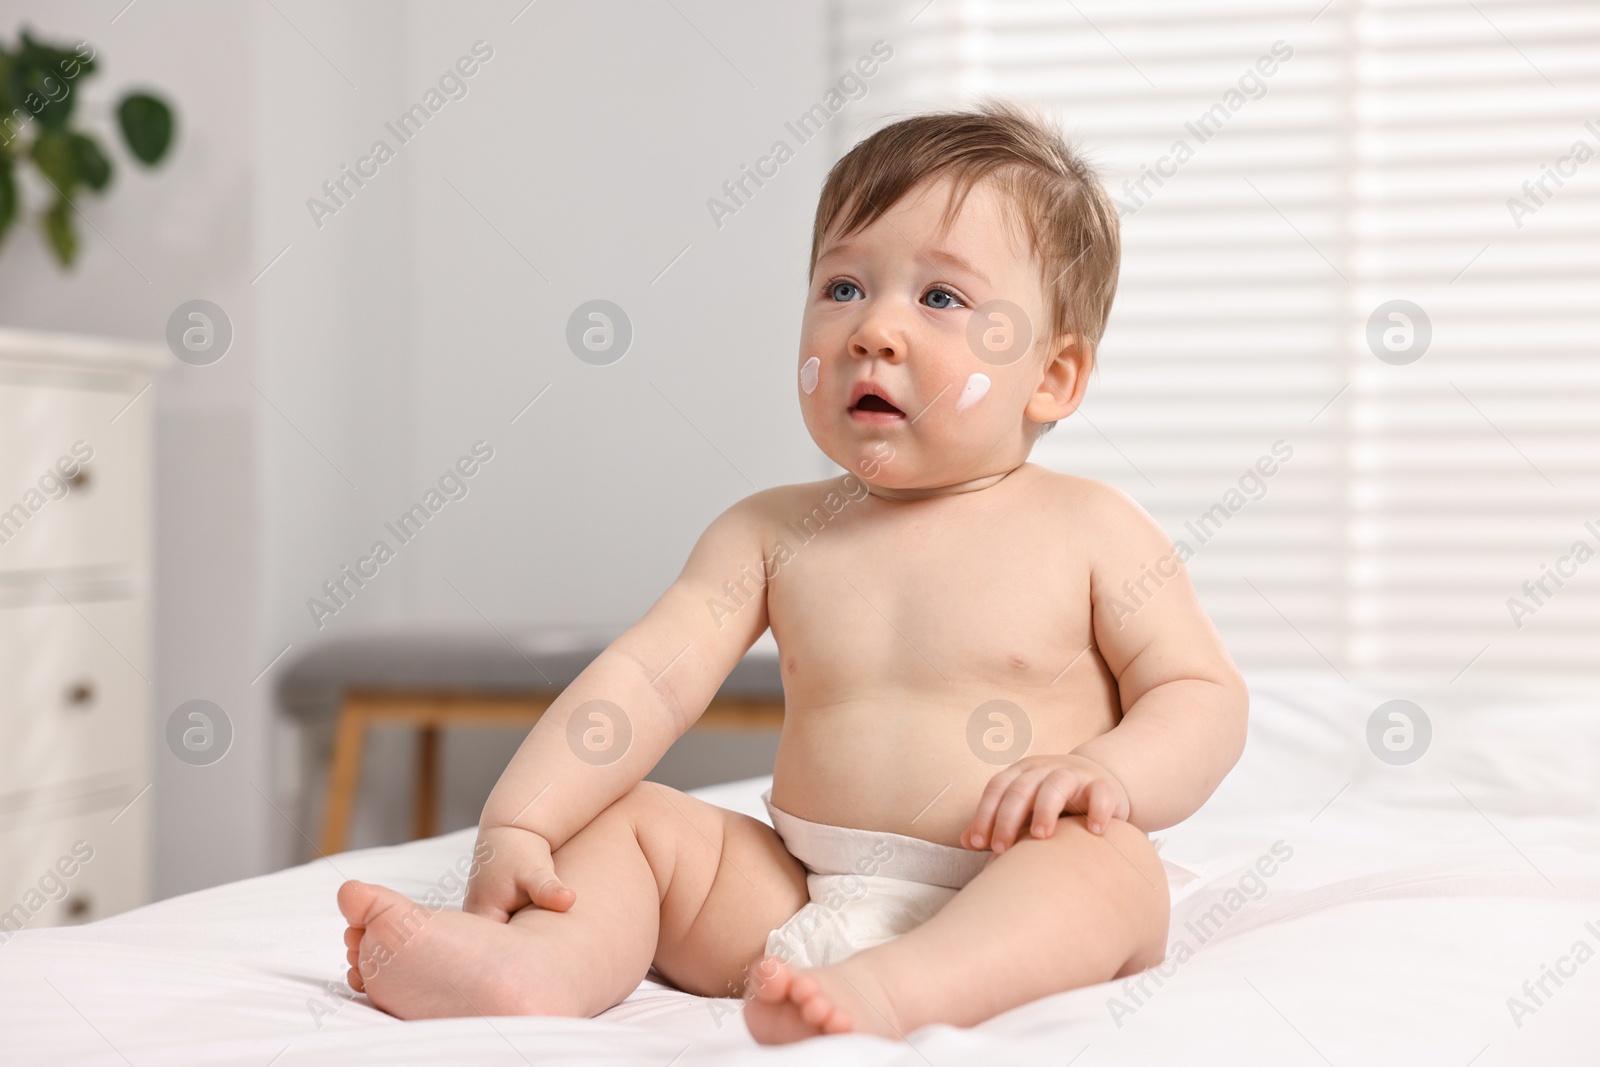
column 1047, row 915
column 643, row 871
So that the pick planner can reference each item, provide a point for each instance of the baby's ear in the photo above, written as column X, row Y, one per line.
column 1063, row 380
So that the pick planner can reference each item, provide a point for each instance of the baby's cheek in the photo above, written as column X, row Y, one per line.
column 976, row 389
column 808, row 374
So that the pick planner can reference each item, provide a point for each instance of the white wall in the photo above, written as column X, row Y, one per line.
column 380, row 346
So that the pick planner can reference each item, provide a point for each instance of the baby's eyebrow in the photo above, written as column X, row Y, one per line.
column 941, row 254
column 956, row 261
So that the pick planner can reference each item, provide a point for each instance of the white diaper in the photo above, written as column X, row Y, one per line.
column 870, row 886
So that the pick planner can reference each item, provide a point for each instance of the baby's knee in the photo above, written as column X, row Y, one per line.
column 1127, row 858
column 1136, row 874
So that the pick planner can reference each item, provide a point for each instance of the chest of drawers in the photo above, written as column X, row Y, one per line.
column 75, row 673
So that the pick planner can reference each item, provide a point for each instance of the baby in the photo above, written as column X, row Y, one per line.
column 997, row 677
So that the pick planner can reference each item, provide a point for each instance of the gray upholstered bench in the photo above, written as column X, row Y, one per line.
column 434, row 681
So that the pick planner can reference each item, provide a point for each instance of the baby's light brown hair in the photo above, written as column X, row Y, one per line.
column 1051, row 197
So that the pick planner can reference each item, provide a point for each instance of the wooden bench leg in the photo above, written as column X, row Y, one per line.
column 426, row 800
column 344, row 778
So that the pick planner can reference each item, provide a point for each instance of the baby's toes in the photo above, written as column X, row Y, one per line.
column 770, row 980
column 359, row 902
column 816, row 1009
column 354, row 978
column 352, row 954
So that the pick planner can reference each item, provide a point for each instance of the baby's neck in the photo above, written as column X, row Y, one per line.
column 931, row 492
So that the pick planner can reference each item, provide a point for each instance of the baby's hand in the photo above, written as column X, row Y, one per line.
column 518, row 872
column 1046, row 787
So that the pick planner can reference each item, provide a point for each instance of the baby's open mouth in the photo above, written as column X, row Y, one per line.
column 873, row 402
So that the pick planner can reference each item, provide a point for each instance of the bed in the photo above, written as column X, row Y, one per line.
column 1446, row 911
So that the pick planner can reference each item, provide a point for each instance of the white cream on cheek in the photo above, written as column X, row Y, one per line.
column 977, row 388
column 808, row 374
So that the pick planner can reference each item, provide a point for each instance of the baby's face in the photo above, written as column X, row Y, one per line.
column 888, row 308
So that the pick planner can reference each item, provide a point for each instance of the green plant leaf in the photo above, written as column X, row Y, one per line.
column 59, row 231
column 146, row 126
column 8, row 196
column 93, row 166
column 55, row 155
column 70, row 63
column 43, row 80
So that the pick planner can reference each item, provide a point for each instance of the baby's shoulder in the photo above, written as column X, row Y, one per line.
column 1098, row 512
column 783, row 498
column 1085, row 497
column 780, row 502
column 1107, row 523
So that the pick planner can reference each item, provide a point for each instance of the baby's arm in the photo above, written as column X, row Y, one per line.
column 662, row 673
column 1184, row 704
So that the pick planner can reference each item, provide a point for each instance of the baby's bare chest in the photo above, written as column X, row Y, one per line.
column 969, row 598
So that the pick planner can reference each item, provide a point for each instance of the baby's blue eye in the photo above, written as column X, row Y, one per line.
column 949, row 299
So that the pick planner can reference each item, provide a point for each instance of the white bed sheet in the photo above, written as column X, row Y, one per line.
column 1416, row 902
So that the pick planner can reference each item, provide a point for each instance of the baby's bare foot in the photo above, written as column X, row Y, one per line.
column 420, row 964
column 790, row 1004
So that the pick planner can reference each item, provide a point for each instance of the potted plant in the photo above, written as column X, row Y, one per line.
column 39, row 90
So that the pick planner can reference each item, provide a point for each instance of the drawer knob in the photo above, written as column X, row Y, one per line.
column 80, row 694
column 79, row 906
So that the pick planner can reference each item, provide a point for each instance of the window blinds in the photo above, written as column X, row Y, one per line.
column 1359, row 253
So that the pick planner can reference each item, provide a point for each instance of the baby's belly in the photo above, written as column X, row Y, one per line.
column 913, row 765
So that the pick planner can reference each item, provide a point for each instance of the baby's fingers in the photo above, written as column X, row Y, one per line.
column 493, row 898
column 1050, row 802
column 1016, row 808
column 1103, row 805
column 548, row 891
column 982, row 831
